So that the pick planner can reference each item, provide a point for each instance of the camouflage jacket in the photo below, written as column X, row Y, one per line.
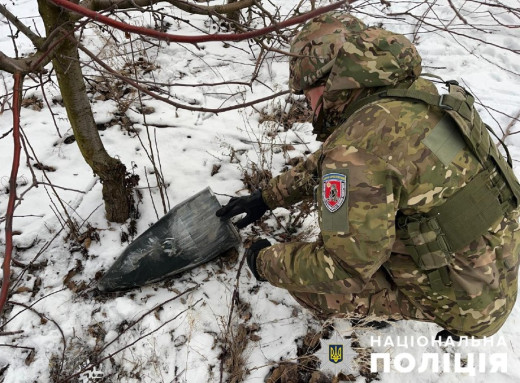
column 391, row 167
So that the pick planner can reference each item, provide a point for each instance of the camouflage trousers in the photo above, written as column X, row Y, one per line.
column 380, row 299
column 477, row 301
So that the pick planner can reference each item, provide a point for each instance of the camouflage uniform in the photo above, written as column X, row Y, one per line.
column 360, row 267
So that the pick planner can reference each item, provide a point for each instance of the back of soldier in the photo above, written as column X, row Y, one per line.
column 479, row 285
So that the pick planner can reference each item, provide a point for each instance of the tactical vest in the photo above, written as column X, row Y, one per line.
column 431, row 238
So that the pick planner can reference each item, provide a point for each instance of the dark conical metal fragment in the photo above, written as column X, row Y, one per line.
column 188, row 235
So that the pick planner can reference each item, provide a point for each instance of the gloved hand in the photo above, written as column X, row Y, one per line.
column 253, row 205
column 252, row 255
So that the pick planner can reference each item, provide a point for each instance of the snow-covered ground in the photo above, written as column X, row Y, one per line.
column 58, row 323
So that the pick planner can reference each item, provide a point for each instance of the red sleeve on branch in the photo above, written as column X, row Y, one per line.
column 193, row 39
column 12, row 190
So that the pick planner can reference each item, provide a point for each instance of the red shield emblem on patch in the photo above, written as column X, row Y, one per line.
column 334, row 190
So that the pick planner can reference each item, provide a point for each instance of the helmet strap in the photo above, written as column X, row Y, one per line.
column 319, row 121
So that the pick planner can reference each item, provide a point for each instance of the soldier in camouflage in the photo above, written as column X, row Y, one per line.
column 384, row 165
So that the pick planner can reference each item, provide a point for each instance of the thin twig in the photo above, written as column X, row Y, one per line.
column 27, row 308
column 509, row 127
column 150, row 191
column 43, row 316
column 32, row 263
column 49, row 106
column 173, row 103
column 35, row 39
column 69, row 221
column 56, row 211
column 14, row 346
column 6, row 133
column 158, row 175
column 92, row 365
column 235, row 298
column 9, row 333
column 147, row 313
column 453, row 32
column 457, row 12
column 61, row 187
column 160, row 168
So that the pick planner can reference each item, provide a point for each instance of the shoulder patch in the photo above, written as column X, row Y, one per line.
column 333, row 203
column 334, row 191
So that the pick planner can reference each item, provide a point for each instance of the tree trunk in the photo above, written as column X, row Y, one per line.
column 72, row 86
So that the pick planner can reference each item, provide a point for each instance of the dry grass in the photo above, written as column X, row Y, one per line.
column 298, row 112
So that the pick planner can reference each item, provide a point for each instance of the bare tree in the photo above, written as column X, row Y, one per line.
column 70, row 78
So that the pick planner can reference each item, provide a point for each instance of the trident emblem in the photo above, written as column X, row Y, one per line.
column 336, row 353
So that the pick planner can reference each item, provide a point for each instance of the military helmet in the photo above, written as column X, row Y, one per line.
column 342, row 51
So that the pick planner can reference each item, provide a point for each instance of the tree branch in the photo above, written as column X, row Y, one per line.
column 193, row 39
column 457, row 12
column 36, row 61
column 35, row 39
column 12, row 65
column 101, row 5
column 206, row 10
column 17, row 96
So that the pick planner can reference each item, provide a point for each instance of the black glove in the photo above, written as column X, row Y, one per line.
column 252, row 255
column 253, row 205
